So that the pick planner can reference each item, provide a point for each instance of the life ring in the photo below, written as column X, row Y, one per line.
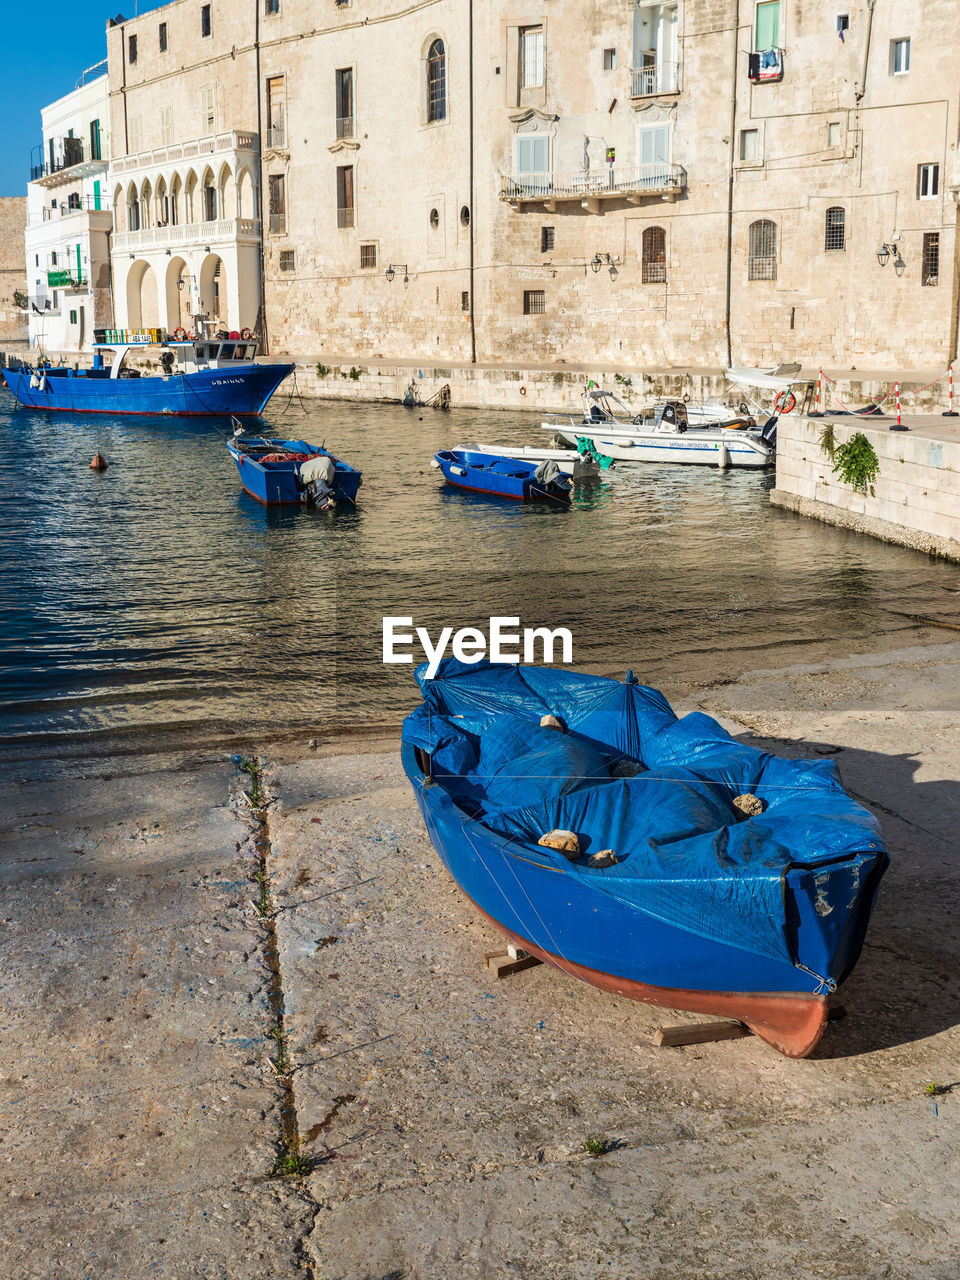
column 179, row 335
column 785, row 402
column 246, row 335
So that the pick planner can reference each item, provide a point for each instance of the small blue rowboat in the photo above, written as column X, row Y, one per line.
column 504, row 477
column 700, row 873
column 280, row 472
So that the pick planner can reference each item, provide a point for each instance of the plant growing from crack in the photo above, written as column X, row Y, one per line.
column 281, row 1063
column 261, row 902
column 250, row 765
column 322, row 370
column 596, row 1147
column 827, row 439
column 290, row 1162
column 856, row 462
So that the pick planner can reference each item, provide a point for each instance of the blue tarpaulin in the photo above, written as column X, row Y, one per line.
column 685, row 854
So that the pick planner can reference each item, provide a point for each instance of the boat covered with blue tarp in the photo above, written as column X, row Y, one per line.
column 708, row 875
column 283, row 472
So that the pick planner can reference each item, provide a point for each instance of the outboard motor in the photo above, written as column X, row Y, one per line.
column 546, row 473
column 317, row 476
column 768, row 433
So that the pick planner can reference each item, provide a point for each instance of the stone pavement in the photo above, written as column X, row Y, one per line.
column 443, row 1114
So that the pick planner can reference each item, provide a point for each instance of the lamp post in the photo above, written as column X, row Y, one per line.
column 393, row 268
column 597, row 261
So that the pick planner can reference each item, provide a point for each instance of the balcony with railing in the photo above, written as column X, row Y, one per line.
column 345, row 126
column 218, row 231
column 591, row 188
column 60, row 159
column 198, row 148
column 276, row 135
column 345, row 217
column 655, row 75
column 90, row 207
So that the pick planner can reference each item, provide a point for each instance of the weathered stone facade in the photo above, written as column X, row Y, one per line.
column 13, row 277
column 623, row 180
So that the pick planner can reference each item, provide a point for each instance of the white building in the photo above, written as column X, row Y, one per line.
column 69, row 220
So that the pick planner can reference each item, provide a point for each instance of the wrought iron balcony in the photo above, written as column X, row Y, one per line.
column 345, row 217
column 58, row 155
column 344, row 126
column 592, row 187
column 655, row 75
column 276, row 135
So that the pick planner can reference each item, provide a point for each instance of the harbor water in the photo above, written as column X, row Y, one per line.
column 156, row 605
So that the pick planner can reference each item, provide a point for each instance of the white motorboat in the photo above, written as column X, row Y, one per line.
column 664, row 435
column 570, row 462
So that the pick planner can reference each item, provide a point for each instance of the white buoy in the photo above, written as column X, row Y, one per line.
column 723, row 457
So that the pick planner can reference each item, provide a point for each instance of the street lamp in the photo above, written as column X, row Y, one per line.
column 392, row 270
column 597, row 261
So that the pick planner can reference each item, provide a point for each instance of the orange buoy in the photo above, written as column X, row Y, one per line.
column 99, row 462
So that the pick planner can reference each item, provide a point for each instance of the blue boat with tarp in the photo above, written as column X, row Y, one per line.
column 517, row 478
column 194, row 378
column 655, row 857
column 286, row 472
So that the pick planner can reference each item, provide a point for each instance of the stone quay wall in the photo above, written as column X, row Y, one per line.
column 914, row 501
column 13, row 274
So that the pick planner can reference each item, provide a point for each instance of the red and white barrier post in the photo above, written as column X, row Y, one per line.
column 950, row 412
column 816, row 406
column 899, row 426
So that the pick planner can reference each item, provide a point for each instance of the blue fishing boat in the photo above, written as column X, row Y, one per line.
column 283, row 472
column 655, row 857
column 196, row 378
column 523, row 480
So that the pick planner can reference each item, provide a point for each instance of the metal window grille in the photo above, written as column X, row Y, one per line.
column 288, row 260
column 534, row 302
column 835, row 229
column 762, row 256
column 548, row 239
column 930, row 266
column 368, row 257
column 345, row 209
column 436, row 82
column 653, row 265
column 344, row 86
column 278, row 203
column 465, row 300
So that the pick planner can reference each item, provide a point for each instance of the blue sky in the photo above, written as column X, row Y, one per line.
column 48, row 44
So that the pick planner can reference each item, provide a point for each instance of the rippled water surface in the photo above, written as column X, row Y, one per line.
column 158, row 600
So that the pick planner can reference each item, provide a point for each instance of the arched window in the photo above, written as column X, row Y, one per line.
column 835, row 229
column 762, row 260
column 653, row 256
column 436, row 82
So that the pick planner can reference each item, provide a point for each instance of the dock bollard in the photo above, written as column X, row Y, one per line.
column 951, row 412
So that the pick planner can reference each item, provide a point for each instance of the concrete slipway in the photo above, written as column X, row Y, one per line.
column 446, row 1113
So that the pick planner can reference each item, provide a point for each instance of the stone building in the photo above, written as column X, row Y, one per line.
column 69, row 220
column 184, row 176
column 13, row 276
column 583, row 181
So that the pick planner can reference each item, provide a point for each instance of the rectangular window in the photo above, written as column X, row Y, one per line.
column 368, row 257
column 208, row 108
column 205, row 27
column 928, row 181
column 94, row 139
column 136, row 135
column 767, row 25
column 534, row 302
column 533, row 154
column 548, row 238
column 344, row 87
column 276, row 188
column 345, row 209
column 833, row 134
column 276, row 122
column 465, row 300
column 288, row 260
column 749, row 144
column 166, row 126
column 609, row 59
column 899, row 57
column 843, row 24
column 163, row 37
column 653, row 147
column 131, row 49
column 531, row 57
column 930, row 266
column 271, row 6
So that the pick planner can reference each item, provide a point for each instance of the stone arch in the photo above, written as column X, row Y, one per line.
column 434, row 78
column 133, row 208
column 177, row 213
column 162, row 202
column 213, row 288
column 143, row 308
column 246, row 207
column 120, row 221
column 227, row 192
column 208, row 201
column 146, row 206
column 179, row 299
column 191, row 211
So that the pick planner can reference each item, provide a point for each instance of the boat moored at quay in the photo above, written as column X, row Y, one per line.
column 201, row 377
